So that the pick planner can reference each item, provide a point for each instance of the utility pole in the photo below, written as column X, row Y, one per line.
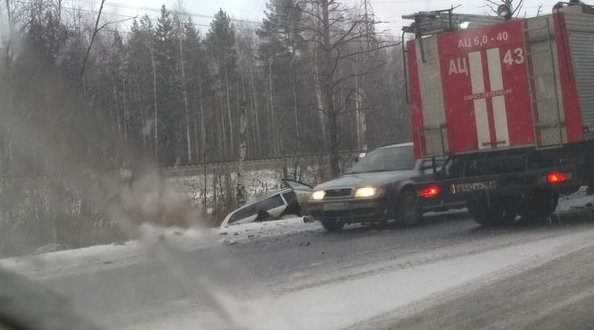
column 368, row 19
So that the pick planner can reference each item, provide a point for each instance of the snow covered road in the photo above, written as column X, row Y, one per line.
column 288, row 274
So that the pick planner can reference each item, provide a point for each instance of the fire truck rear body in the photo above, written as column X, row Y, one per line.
column 517, row 84
column 504, row 108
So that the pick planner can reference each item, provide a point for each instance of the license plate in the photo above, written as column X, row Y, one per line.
column 335, row 206
column 474, row 186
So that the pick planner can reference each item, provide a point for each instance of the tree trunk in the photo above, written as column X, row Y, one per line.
column 295, row 106
column 223, row 135
column 185, row 97
column 272, row 121
column 317, row 75
column 229, row 115
column 202, row 119
column 241, row 193
column 328, row 92
column 7, row 159
column 244, row 104
column 127, row 120
column 143, row 119
column 117, row 110
column 155, row 109
column 256, row 109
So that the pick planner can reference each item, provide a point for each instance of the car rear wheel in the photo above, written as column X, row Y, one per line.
column 408, row 208
column 332, row 225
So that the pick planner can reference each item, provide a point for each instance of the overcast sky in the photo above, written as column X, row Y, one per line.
column 389, row 11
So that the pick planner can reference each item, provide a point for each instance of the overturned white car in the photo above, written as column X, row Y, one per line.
column 286, row 201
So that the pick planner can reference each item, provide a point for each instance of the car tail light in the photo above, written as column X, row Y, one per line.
column 429, row 192
column 558, row 177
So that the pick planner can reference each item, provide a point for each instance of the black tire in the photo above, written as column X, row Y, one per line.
column 541, row 205
column 332, row 225
column 497, row 212
column 408, row 208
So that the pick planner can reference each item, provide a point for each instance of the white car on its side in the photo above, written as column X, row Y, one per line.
column 286, row 201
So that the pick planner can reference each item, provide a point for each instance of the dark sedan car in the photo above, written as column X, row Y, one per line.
column 380, row 187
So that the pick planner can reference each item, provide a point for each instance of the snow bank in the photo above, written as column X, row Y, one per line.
column 103, row 257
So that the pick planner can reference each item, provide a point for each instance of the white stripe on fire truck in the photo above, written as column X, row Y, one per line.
column 481, row 117
column 496, row 83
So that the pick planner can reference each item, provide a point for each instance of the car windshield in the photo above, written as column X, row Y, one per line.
column 386, row 159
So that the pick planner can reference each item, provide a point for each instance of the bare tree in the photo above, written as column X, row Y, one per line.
column 93, row 36
column 96, row 30
column 332, row 30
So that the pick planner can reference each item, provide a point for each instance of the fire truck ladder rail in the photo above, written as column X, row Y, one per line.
column 544, row 100
column 538, row 52
column 533, row 35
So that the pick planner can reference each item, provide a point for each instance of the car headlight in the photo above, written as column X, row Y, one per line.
column 318, row 195
column 366, row 192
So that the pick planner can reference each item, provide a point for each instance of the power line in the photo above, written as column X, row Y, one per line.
column 95, row 12
column 158, row 10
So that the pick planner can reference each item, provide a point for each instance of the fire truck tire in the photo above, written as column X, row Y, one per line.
column 497, row 212
column 541, row 205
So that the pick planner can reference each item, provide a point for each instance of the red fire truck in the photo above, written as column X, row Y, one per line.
column 504, row 107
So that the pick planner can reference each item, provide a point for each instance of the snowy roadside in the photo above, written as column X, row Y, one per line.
column 104, row 257
column 347, row 286
column 578, row 200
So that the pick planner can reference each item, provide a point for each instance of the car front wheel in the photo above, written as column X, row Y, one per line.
column 332, row 225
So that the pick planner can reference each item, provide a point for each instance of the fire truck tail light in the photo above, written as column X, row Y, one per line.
column 429, row 192
column 558, row 177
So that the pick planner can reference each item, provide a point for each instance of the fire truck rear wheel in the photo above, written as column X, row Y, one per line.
column 541, row 205
column 496, row 212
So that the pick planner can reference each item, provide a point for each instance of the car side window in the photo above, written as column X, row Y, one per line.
column 243, row 213
column 270, row 203
column 266, row 204
column 427, row 163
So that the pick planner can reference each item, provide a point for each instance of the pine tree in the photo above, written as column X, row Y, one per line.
column 284, row 57
column 221, row 45
column 198, row 87
column 170, row 112
column 141, row 80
